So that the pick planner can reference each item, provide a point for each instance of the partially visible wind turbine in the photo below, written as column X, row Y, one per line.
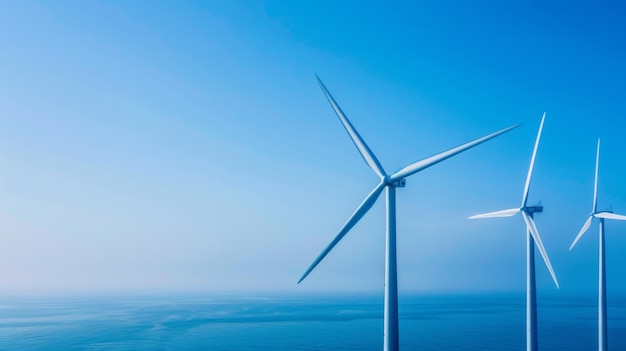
column 532, row 239
column 602, row 325
column 389, row 182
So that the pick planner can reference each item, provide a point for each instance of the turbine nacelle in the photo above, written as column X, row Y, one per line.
column 532, row 209
column 400, row 183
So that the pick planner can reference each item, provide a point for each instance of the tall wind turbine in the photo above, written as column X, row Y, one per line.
column 532, row 239
column 602, row 325
column 390, row 183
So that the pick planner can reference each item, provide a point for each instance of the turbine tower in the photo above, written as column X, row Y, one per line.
column 601, row 215
column 532, row 239
column 390, row 183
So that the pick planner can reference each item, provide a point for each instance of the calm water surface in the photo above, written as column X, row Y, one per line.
column 444, row 322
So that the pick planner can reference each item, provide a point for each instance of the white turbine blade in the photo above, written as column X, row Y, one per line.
column 364, row 150
column 582, row 231
column 532, row 163
column 503, row 213
column 365, row 206
column 595, row 180
column 432, row 160
column 610, row 215
column 532, row 228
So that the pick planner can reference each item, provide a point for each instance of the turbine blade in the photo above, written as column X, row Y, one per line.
column 595, row 180
column 432, row 160
column 364, row 150
column 365, row 206
column 610, row 215
column 532, row 163
column 532, row 228
column 582, row 231
column 503, row 213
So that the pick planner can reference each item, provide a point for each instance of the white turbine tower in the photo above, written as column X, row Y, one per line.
column 602, row 325
column 388, row 182
column 532, row 239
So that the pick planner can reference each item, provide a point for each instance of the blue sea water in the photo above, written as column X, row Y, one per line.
column 437, row 322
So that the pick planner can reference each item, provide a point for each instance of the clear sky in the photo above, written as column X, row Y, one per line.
column 185, row 146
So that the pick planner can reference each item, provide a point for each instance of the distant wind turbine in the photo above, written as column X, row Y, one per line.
column 602, row 325
column 531, row 239
column 388, row 182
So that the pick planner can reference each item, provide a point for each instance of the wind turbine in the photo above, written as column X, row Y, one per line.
column 602, row 325
column 390, row 183
column 532, row 239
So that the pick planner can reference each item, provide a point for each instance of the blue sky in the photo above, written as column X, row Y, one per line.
column 186, row 146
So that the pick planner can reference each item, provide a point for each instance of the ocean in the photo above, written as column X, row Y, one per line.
column 196, row 322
